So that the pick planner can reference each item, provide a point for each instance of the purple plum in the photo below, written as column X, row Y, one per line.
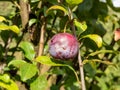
column 63, row 46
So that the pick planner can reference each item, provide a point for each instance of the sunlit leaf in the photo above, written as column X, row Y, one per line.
column 4, row 27
column 2, row 19
column 51, row 62
column 39, row 84
column 32, row 21
column 7, row 83
column 27, row 71
column 17, row 63
column 28, row 49
column 74, row 2
column 80, row 26
column 13, row 28
column 5, row 78
column 47, row 61
column 96, row 38
column 57, row 7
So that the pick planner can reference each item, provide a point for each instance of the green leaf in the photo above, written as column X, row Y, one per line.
column 39, row 84
column 80, row 26
column 74, row 2
column 17, row 63
column 58, row 8
column 5, row 78
column 32, row 21
column 27, row 71
column 48, row 61
column 97, row 60
column 103, row 51
column 7, row 83
column 101, row 83
column 2, row 19
column 28, row 49
column 96, row 38
column 90, row 68
column 13, row 28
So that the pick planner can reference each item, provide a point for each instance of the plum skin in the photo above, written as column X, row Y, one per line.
column 63, row 46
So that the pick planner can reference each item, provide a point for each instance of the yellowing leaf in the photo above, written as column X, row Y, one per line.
column 81, row 27
column 2, row 19
column 4, row 27
column 74, row 2
column 96, row 38
column 13, row 28
column 57, row 7
column 8, row 83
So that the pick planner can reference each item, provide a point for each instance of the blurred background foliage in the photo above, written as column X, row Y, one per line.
column 101, row 65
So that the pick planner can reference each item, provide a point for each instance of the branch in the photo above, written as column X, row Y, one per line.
column 42, row 38
column 24, row 12
column 81, row 71
column 79, row 56
column 42, row 68
column 7, row 46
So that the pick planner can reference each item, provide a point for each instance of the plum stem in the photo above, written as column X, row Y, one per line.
column 65, row 26
column 81, row 71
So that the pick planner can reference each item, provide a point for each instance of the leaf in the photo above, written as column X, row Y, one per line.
column 96, row 38
column 4, row 27
column 90, row 68
column 97, row 60
column 103, row 51
column 17, row 63
column 27, row 71
column 74, row 2
column 7, row 83
column 2, row 19
column 5, row 78
column 57, row 7
column 13, row 28
column 32, row 21
column 28, row 49
column 47, row 61
column 39, row 84
column 80, row 26
column 101, row 83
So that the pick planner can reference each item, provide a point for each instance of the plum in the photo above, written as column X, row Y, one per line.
column 63, row 46
column 117, row 34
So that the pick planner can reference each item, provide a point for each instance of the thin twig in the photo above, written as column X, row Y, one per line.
column 71, row 18
column 81, row 71
column 42, row 68
column 7, row 46
column 42, row 38
column 16, row 4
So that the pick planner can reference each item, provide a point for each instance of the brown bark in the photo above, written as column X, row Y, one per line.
column 24, row 12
